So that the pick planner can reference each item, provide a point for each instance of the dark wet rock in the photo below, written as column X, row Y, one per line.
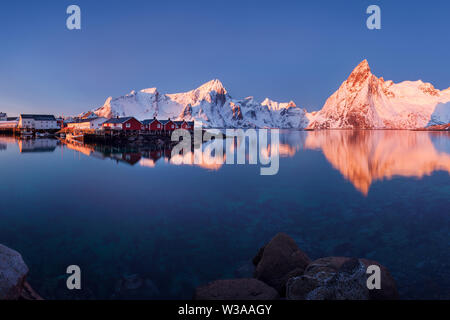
column 297, row 288
column 13, row 272
column 281, row 267
column 348, row 283
column 258, row 256
column 278, row 261
column 339, row 278
column 236, row 289
column 324, row 268
column 297, row 272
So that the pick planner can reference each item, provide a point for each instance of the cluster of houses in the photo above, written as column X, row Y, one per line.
column 37, row 122
column 130, row 124
column 40, row 122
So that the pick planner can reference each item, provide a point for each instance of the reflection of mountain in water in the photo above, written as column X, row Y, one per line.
column 361, row 156
column 366, row 156
column 150, row 155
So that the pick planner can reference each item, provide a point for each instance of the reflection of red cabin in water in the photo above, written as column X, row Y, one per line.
column 131, row 158
column 156, row 155
column 152, row 125
column 126, row 124
column 168, row 153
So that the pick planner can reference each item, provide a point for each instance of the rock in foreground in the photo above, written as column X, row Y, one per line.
column 339, row 278
column 278, row 261
column 236, row 289
column 282, row 269
column 13, row 272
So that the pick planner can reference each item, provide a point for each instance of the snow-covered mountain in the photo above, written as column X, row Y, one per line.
column 367, row 102
column 363, row 101
column 210, row 105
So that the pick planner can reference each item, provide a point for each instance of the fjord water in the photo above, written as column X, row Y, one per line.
column 140, row 226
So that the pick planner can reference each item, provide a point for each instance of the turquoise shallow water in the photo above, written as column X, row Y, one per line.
column 142, row 227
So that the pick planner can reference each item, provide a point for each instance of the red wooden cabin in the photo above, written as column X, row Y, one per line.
column 168, row 125
column 152, row 125
column 188, row 125
column 126, row 124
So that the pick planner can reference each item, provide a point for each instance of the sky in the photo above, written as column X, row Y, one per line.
column 284, row 50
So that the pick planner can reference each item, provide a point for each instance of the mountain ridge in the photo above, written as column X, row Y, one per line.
column 210, row 104
column 363, row 101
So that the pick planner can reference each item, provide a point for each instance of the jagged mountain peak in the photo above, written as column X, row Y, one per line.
column 213, row 85
column 274, row 105
column 363, row 66
column 360, row 74
column 150, row 91
column 209, row 92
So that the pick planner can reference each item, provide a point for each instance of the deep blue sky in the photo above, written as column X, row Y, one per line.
column 299, row 50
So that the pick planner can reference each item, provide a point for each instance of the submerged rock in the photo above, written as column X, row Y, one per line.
column 236, row 289
column 132, row 282
column 135, row 287
column 13, row 272
column 278, row 261
column 339, row 278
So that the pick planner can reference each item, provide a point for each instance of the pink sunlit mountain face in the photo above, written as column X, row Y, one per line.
column 364, row 101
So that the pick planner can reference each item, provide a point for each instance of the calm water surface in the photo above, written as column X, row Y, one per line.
column 140, row 226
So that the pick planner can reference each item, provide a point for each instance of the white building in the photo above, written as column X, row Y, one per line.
column 38, row 122
column 3, row 116
column 87, row 124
